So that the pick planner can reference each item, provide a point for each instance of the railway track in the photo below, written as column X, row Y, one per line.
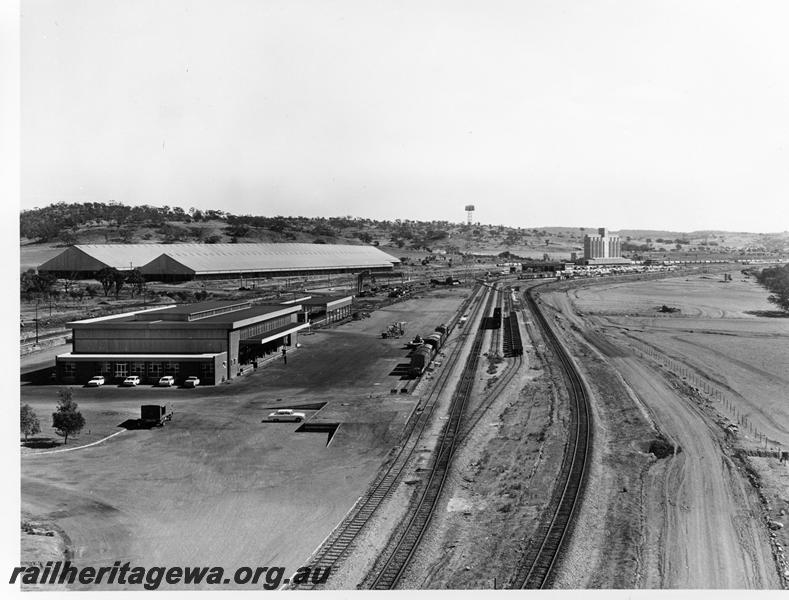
column 511, row 368
column 388, row 574
column 339, row 542
column 543, row 553
column 30, row 340
column 494, row 322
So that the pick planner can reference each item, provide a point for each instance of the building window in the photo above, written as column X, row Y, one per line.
column 207, row 370
column 155, row 369
column 105, row 368
column 171, row 368
column 121, row 369
column 138, row 368
column 69, row 369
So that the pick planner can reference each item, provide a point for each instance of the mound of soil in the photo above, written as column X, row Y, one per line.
column 661, row 448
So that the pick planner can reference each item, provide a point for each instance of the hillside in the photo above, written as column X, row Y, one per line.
column 44, row 231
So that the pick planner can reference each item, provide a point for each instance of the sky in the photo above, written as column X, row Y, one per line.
column 630, row 114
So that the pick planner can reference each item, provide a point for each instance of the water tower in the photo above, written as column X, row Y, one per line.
column 469, row 211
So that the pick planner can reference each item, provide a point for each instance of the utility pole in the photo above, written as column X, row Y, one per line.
column 37, row 301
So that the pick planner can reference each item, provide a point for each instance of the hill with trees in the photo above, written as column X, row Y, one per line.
column 62, row 224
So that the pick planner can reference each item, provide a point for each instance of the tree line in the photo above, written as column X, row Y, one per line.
column 111, row 280
column 776, row 280
column 62, row 220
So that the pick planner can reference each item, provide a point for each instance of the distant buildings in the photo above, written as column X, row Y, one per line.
column 603, row 249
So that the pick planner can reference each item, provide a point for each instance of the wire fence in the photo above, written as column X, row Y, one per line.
column 725, row 404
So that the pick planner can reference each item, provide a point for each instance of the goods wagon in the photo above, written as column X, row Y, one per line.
column 420, row 358
column 435, row 340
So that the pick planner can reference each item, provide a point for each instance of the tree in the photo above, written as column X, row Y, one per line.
column 43, row 282
column 136, row 280
column 28, row 421
column 126, row 234
column 67, row 237
column 27, row 281
column 67, row 420
column 776, row 280
column 118, row 280
column 106, row 277
column 69, row 281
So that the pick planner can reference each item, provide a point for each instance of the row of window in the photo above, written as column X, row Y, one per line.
column 124, row 369
column 266, row 326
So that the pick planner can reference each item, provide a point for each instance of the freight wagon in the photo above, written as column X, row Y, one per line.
column 435, row 340
column 420, row 359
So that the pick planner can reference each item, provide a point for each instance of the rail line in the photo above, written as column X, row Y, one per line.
column 338, row 543
column 494, row 322
column 542, row 555
column 504, row 378
column 30, row 340
column 407, row 541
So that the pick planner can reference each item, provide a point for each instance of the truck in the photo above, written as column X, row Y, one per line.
column 154, row 415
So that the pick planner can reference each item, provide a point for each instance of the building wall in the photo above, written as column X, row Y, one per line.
column 111, row 340
column 602, row 246
column 233, row 337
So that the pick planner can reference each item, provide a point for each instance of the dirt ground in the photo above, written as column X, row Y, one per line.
column 501, row 479
column 216, row 486
column 502, row 475
column 696, row 520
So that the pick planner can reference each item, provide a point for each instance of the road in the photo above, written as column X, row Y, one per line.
column 702, row 526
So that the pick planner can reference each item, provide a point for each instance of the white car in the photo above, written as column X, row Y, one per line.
column 96, row 381
column 192, row 381
column 286, row 414
column 167, row 381
column 131, row 380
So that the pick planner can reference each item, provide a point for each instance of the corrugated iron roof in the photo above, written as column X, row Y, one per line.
column 228, row 258
column 124, row 256
column 231, row 258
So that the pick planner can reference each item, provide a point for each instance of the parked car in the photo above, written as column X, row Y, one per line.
column 192, row 381
column 167, row 381
column 286, row 414
column 96, row 381
column 131, row 380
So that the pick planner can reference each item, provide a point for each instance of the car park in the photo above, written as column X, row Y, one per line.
column 167, row 381
column 192, row 381
column 131, row 380
column 96, row 381
column 286, row 414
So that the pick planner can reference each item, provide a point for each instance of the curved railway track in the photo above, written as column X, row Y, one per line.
column 544, row 552
column 336, row 546
column 542, row 556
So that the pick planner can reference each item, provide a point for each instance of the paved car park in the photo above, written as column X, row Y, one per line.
column 217, row 485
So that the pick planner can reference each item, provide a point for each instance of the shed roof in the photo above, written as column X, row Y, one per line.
column 156, row 259
column 322, row 300
column 229, row 258
column 237, row 315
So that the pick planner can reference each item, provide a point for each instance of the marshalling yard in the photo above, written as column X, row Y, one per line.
column 563, row 433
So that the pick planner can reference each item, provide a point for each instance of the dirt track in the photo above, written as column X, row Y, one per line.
column 701, row 521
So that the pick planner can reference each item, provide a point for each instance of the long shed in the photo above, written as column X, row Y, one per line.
column 173, row 262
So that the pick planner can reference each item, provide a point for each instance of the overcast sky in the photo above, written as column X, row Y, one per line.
column 629, row 114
